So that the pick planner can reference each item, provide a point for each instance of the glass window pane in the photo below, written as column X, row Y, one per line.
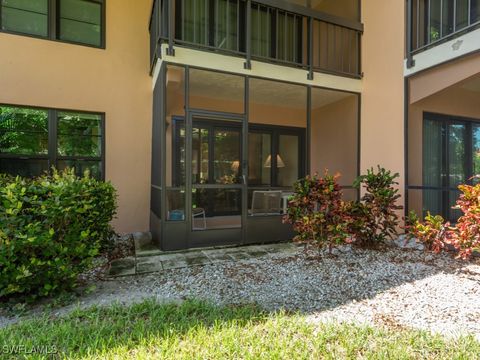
column 476, row 150
column 456, row 155
column 435, row 21
column 79, row 135
column 289, row 37
column 226, row 25
column 193, row 24
column 266, row 202
column 432, row 153
column 262, row 20
column 217, row 91
column 200, row 155
column 423, row 201
column 461, row 14
column 259, row 149
column 216, row 209
column 175, row 205
column 277, row 113
column 93, row 167
column 227, row 156
column 81, row 10
column 80, row 21
column 269, row 202
column 453, row 214
column 420, row 21
column 432, row 202
column 447, row 20
column 23, row 131
column 287, row 160
column 25, row 16
column 278, row 103
column 174, row 142
column 23, row 167
column 475, row 11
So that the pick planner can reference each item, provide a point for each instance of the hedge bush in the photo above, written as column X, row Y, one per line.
column 51, row 228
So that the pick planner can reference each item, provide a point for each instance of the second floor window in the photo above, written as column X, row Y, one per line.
column 211, row 23
column 276, row 34
column 76, row 21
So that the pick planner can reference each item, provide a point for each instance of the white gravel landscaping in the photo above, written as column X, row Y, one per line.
column 393, row 287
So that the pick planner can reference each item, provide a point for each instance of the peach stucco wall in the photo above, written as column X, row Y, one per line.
column 334, row 139
column 441, row 77
column 116, row 81
column 382, row 130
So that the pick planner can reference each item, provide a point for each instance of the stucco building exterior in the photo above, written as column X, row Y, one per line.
column 203, row 113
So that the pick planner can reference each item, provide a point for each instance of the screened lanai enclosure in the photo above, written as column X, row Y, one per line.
column 228, row 148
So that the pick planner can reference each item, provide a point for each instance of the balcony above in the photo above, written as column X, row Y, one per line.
column 280, row 32
column 439, row 31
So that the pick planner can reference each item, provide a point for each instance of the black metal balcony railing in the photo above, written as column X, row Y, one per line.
column 257, row 30
column 434, row 21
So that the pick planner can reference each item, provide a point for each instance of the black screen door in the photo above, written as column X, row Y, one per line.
column 212, row 151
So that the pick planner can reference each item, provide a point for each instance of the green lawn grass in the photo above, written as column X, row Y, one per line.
column 197, row 330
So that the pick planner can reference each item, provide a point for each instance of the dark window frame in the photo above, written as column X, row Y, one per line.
column 274, row 130
column 178, row 122
column 52, row 155
column 445, row 188
column 53, row 25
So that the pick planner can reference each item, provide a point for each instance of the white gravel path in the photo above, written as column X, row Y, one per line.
column 395, row 288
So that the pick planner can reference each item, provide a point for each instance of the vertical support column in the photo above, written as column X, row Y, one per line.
column 469, row 12
column 410, row 61
column 188, row 158
column 406, row 152
column 171, row 27
column 162, row 108
column 158, row 29
column 454, row 15
column 310, row 48
column 244, row 165
column 248, row 42
column 52, row 19
column 309, row 131
column 52, row 138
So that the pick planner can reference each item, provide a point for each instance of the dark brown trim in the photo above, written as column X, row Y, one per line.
column 52, row 156
column 53, row 25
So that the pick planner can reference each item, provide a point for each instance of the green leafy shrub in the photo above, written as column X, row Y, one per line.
column 317, row 211
column 375, row 218
column 431, row 233
column 463, row 237
column 51, row 227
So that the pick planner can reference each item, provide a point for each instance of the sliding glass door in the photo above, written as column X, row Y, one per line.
column 450, row 157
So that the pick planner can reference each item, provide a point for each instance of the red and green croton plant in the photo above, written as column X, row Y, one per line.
column 464, row 236
column 317, row 211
